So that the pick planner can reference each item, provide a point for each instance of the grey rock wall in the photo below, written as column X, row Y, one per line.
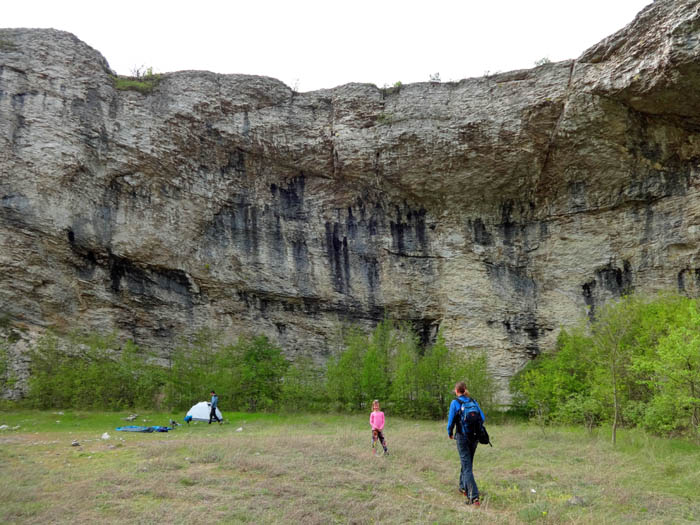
column 498, row 209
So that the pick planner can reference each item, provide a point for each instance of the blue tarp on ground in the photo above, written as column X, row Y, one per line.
column 136, row 428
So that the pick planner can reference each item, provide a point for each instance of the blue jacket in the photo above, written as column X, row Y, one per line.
column 454, row 409
column 214, row 401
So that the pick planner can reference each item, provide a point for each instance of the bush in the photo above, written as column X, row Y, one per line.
column 546, row 383
column 143, row 81
column 303, row 388
column 262, row 370
column 93, row 375
column 344, row 376
column 95, row 371
column 581, row 409
column 392, row 368
column 6, row 379
column 637, row 365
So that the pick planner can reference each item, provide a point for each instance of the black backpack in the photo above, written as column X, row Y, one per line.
column 471, row 424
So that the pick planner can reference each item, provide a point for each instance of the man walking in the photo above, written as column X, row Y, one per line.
column 214, row 403
column 466, row 443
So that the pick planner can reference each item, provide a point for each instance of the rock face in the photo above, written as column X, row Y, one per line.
column 497, row 209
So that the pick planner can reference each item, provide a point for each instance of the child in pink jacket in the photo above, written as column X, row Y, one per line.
column 376, row 420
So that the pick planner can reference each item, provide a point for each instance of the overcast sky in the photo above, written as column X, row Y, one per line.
column 321, row 44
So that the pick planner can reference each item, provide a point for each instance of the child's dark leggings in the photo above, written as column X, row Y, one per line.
column 377, row 435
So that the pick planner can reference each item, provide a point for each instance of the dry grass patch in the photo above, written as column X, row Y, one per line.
column 321, row 470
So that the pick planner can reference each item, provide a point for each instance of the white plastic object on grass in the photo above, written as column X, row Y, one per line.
column 105, row 436
column 239, row 429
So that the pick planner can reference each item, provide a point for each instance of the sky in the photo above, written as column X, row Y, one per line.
column 311, row 44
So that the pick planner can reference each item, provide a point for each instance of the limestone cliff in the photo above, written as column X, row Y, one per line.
column 497, row 209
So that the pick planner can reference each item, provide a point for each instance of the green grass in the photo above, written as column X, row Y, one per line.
column 144, row 84
column 319, row 469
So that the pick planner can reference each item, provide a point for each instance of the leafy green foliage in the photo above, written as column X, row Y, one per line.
column 385, row 118
column 96, row 371
column 404, row 387
column 391, row 368
column 142, row 81
column 637, row 364
column 4, row 365
column 262, row 369
column 200, row 365
column 344, row 375
column 438, row 371
column 548, row 382
column 92, row 376
column 672, row 373
column 303, row 387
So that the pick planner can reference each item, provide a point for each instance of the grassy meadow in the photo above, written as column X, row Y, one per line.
column 320, row 469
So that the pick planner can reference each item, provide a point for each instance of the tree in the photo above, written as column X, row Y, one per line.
column 546, row 384
column 610, row 335
column 376, row 361
column 263, row 367
column 302, row 386
column 404, row 385
column 673, row 373
column 344, row 377
column 436, row 378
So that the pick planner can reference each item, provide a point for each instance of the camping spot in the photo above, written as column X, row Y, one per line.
column 319, row 469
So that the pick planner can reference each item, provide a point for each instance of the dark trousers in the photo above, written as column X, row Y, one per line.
column 377, row 435
column 212, row 415
column 467, row 449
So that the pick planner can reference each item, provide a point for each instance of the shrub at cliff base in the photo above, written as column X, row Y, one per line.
column 390, row 365
column 251, row 374
column 636, row 364
column 91, row 374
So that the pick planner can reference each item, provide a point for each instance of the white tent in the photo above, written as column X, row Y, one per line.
column 201, row 411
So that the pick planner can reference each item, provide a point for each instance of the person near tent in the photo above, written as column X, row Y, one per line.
column 466, row 446
column 214, row 403
column 201, row 412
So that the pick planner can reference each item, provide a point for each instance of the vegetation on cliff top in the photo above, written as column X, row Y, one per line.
column 144, row 81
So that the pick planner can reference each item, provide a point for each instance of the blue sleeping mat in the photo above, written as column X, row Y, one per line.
column 136, row 428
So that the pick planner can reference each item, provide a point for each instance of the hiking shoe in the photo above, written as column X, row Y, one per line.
column 476, row 502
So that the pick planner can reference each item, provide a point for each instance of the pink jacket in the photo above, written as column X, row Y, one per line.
column 376, row 419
